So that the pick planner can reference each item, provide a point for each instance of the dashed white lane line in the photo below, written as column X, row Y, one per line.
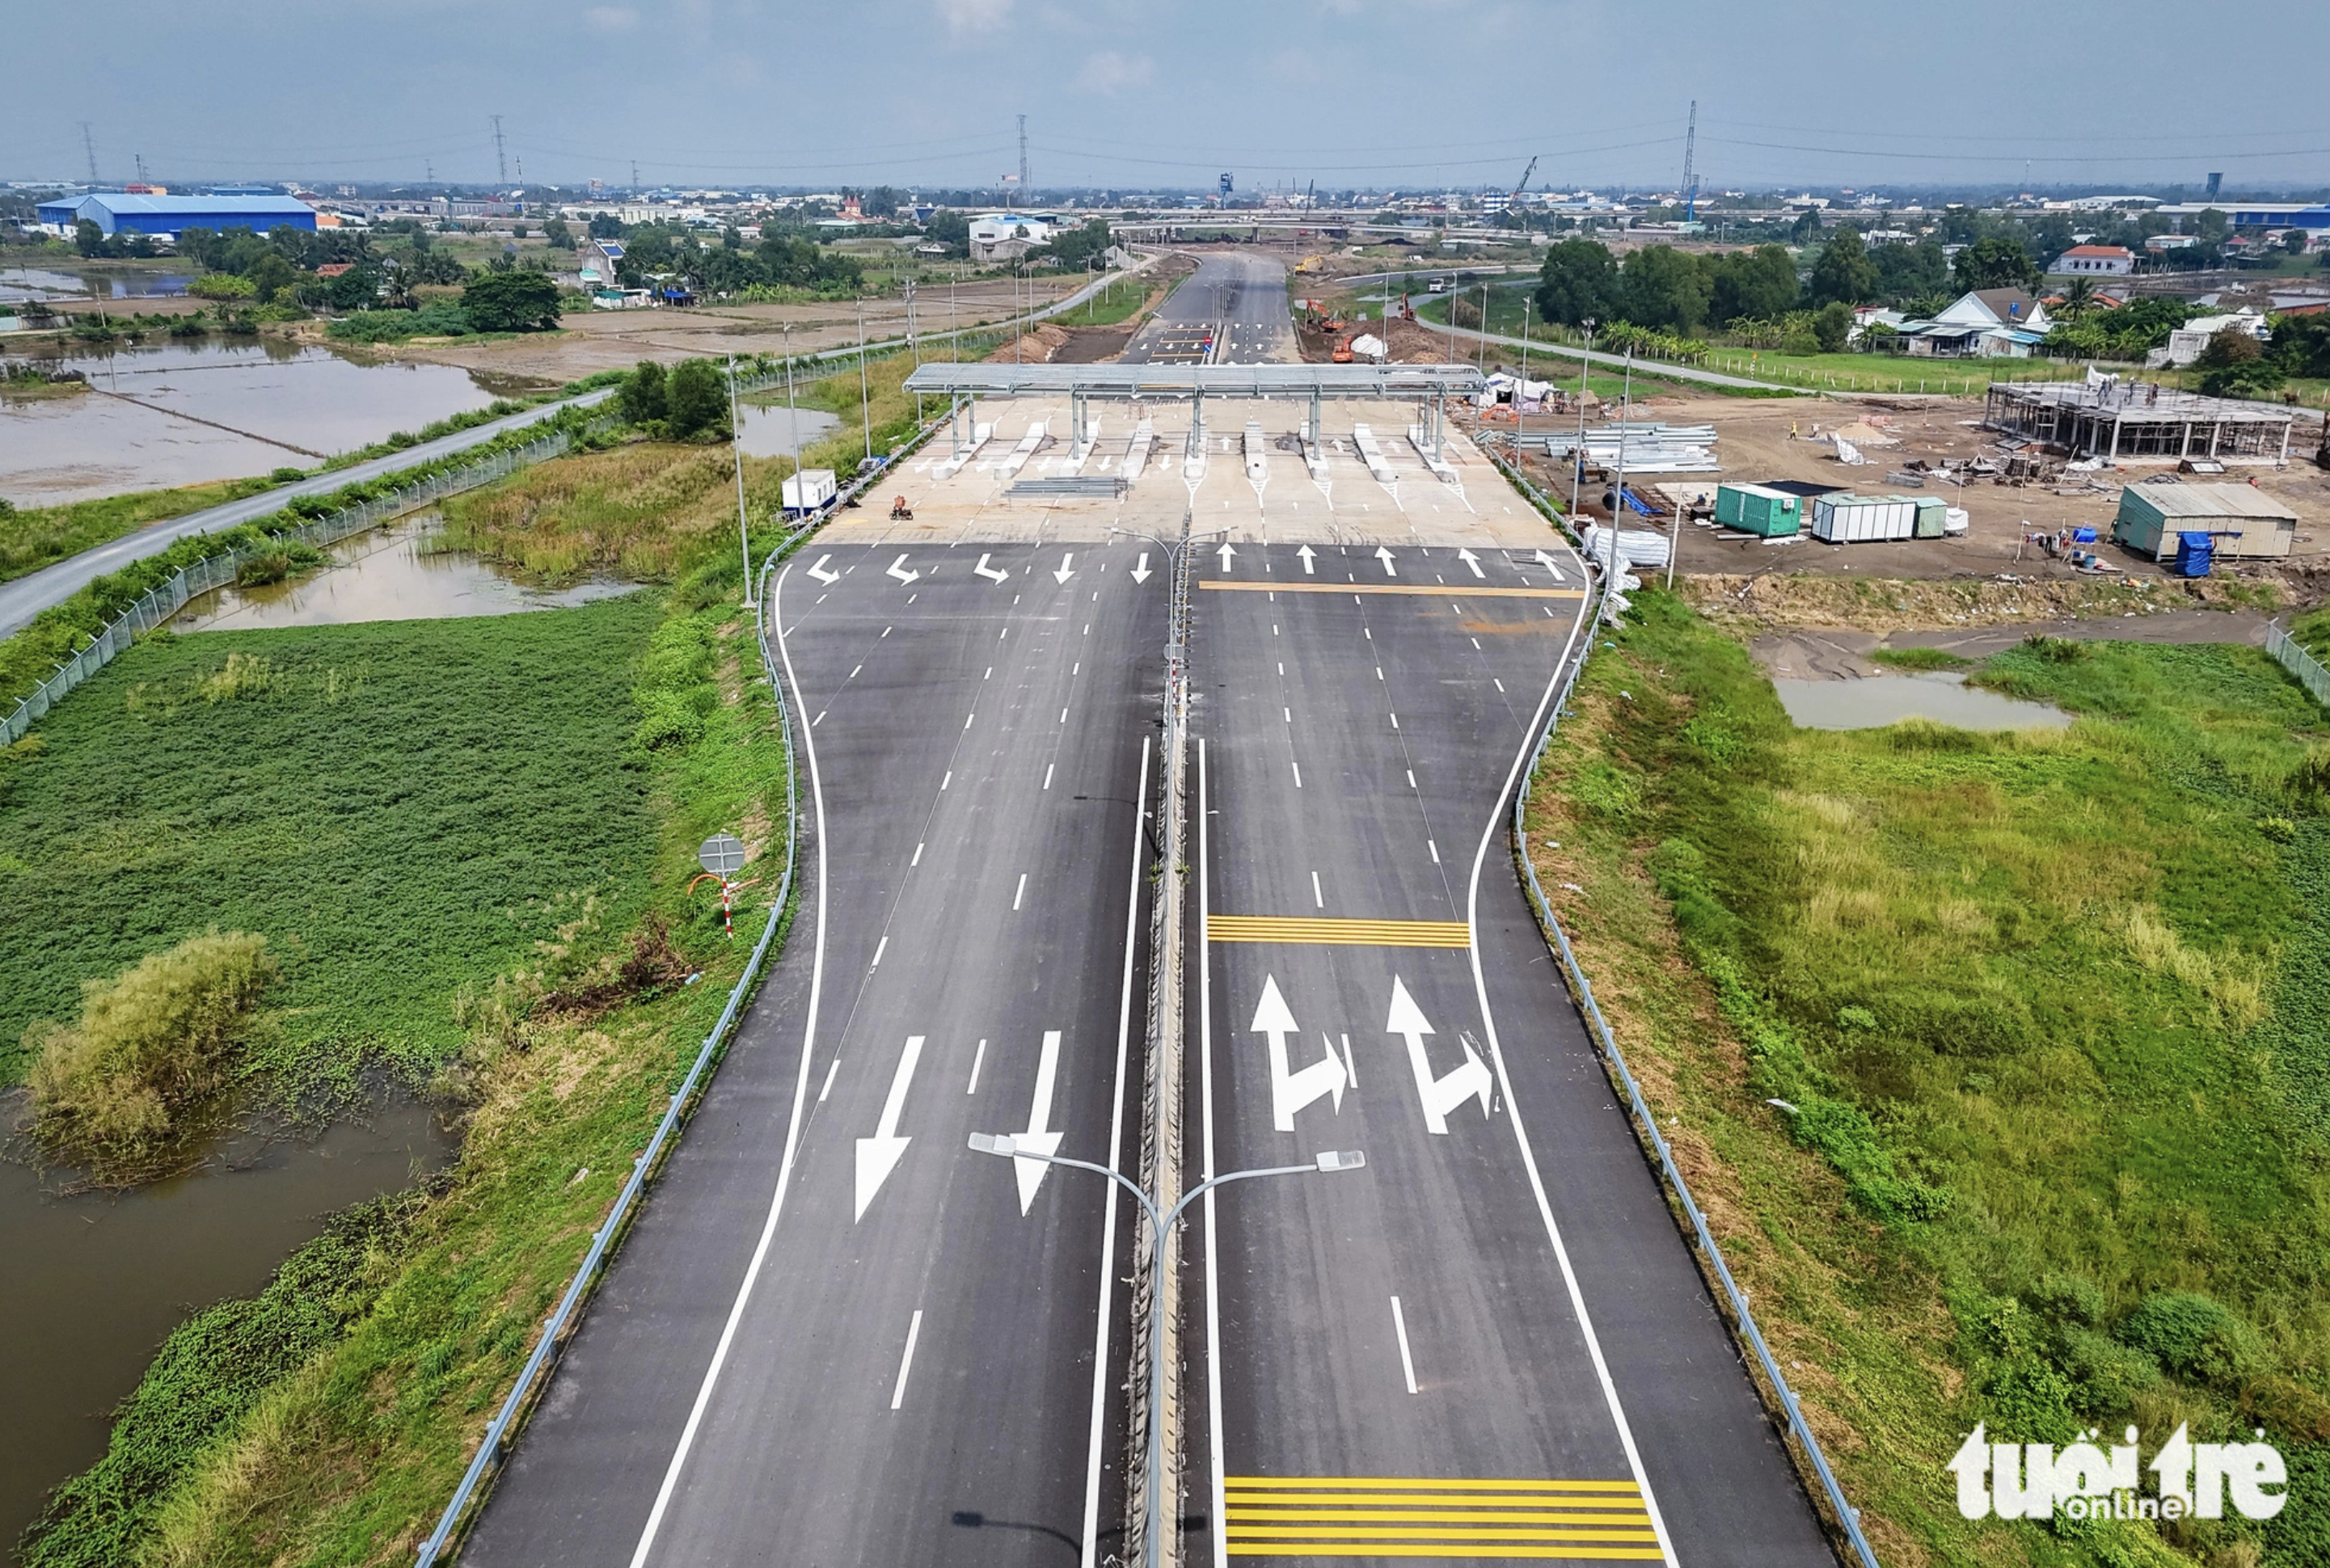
column 918, row 857
column 1394, row 721
column 976, row 1057
column 1020, row 892
column 1298, row 774
column 879, row 949
column 1317, row 896
column 1436, row 851
column 885, row 632
column 830, row 1072
column 1411, row 777
column 906, row 1362
column 1499, row 684
column 967, row 718
column 947, row 781
column 1290, row 714
column 813, row 723
column 1063, row 715
column 1047, row 773
column 853, row 674
column 1398, row 1327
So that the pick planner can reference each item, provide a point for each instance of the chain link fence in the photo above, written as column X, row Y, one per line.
column 2299, row 663
column 213, row 572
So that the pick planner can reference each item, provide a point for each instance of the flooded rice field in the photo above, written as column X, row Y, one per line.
column 184, row 413
column 780, row 432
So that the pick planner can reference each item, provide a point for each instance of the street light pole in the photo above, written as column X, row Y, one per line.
column 1520, row 417
column 1578, row 458
column 865, row 397
column 1162, row 1223
column 736, row 445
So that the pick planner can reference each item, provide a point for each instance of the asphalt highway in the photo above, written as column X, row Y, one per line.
column 1239, row 299
column 838, row 1336
column 1490, row 1342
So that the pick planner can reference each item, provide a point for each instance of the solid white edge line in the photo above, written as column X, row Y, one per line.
column 1116, row 1154
column 1512, row 1108
column 1399, row 1329
column 1213, row 1269
column 792, row 1130
column 907, row 1361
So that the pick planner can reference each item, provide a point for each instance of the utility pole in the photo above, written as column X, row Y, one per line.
column 1023, row 160
column 501, row 163
column 89, row 146
column 141, row 166
column 864, row 396
column 635, row 177
column 736, row 445
column 1690, row 175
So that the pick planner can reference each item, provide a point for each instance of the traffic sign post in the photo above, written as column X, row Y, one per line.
column 719, row 855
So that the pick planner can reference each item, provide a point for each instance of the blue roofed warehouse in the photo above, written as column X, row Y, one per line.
column 116, row 212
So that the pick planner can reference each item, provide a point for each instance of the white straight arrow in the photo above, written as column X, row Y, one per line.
column 877, row 1156
column 1307, row 553
column 1440, row 1095
column 1039, row 1137
column 992, row 573
column 1062, row 575
column 1140, row 568
column 1473, row 561
column 1383, row 553
column 821, row 574
column 898, row 570
column 1547, row 562
column 1228, row 555
column 1291, row 1092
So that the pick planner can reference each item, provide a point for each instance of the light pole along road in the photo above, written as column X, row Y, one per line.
column 824, row 1346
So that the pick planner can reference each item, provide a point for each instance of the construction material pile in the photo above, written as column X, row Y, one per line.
column 1640, row 448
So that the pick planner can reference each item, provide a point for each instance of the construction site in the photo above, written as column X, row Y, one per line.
column 2138, row 422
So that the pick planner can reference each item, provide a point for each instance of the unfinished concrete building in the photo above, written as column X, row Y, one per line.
column 2124, row 422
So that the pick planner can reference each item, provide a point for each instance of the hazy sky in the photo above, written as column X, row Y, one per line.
column 1171, row 92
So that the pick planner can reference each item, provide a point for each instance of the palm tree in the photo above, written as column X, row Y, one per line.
column 2079, row 299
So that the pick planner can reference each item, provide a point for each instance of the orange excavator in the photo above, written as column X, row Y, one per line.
column 1343, row 354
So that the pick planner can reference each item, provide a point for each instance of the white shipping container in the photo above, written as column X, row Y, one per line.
column 1863, row 519
column 809, row 489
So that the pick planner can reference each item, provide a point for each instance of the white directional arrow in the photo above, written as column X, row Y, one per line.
column 821, row 574
column 1062, row 575
column 1291, row 1092
column 898, row 570
column 992, row 573
column 1440, row 1095
column 1547, row 562
column 877, row 1156
column 1140, row 568
column 1307, row 553
column 1039, row 1137
column 1383, row 553
column 1227, row 554
column 1473, row 561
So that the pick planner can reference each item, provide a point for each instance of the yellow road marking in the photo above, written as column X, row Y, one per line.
column 1443, row 590
column 1393, row 1507
column 1343, row 932
column 1406, row 1532
column 1427, row 1483
column 1506, row 1551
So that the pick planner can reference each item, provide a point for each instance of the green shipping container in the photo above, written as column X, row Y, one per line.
column 1754, row 509
column 1933, row 516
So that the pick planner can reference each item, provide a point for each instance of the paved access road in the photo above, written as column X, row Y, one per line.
column 838, row 1336
column 1491, row 1341
column 1239, row 299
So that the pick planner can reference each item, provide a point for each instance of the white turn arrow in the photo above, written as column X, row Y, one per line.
column 821, row 574
column 1440, row 1095
column 1228, row 555
column 1291, row 1092
column 1062, row 575
column 1039, row 1137
column 1306, row 552
column 992, row 573
column 1383, row 553
column 1473, row 561
column 877, row 1156
column 1140, row 568
column 1547, row 562
column 898, row 570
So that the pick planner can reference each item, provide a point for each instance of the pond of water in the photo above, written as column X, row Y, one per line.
column 1939, row 696
column 94, row 1281
column 22, row 283
column 393, row 574
column 183, row 413
column 780, row 432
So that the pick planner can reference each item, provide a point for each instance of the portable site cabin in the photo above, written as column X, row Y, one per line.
column 1758, row 509
column 809, row 490
column 2247, row 523
column 1864, row 519
column 1933, row 516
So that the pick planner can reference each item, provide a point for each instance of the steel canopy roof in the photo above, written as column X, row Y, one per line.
column 1190, row 381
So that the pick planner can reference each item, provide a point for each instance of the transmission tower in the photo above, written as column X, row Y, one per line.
column 89, row 146
column 500, row 161
column 141, row 166
column 1023, row 160
column 635, row 177
column 1690, row 173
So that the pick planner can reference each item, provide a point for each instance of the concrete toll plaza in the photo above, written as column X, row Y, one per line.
column 842, row 1336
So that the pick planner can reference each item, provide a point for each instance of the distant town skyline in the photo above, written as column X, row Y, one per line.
column 1428, row 94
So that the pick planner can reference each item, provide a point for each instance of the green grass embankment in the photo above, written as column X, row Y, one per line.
column 2053, row 1011
column 469, row 843
column 33, row 536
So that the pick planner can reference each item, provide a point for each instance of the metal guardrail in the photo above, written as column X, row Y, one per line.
column 1646, row 1125
column 2309, row 671
column 158, row 605
column 557, row 1328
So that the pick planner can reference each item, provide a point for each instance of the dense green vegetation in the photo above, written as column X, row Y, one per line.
column 33, row 536
column 2050, row 1012
column 542, row 781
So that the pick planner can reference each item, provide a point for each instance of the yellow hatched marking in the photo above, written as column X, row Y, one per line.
column 1502, row 1550
column 1404, row 1533
column 1510, row 1519
column 1444, row 590
column 1427, row 1483
column 1482, row 1514
column 1338, row 932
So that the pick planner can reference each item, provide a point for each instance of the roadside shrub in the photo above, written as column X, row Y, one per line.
column 2070, row 1299
column 2057, row 650
column 667, row 723
column 2106, row 1375
column 150, row 1043
column 2196, row 1337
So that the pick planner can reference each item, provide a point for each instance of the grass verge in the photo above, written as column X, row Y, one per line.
column 33, row 536
column 326, row 1419
column 2051, row 1010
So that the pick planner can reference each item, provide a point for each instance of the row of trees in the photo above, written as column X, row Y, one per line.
column 726, row 265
